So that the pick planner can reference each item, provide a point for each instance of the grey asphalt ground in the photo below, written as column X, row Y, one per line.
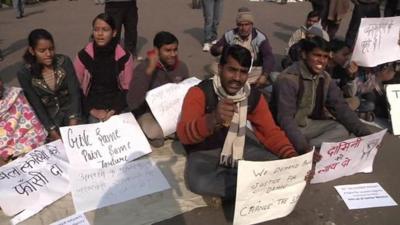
column 70, row 23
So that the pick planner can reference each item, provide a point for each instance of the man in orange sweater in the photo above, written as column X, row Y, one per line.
column 212, row 127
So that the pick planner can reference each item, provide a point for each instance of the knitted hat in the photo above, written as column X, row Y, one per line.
column 317, row 30
column 244, row 15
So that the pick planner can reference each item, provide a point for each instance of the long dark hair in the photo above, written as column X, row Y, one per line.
column 33, row 39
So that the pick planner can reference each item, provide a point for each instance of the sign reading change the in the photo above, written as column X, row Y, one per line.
column 166, row 102
column 101, row 145
column 271, row 189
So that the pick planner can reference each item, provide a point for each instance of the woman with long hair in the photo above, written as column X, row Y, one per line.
column 104, row 70
column 49, row 83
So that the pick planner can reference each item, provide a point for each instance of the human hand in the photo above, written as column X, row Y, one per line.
column 352, row 69
column 110, row 114
column 226, row 108
column 153, row 58
column 262, row 81
column 100, row 114
column 73, row 122
column 54, row 135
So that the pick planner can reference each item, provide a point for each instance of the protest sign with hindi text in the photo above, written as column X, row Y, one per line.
column 105, row 144
column 97, row 188
column 348, row 157
column 166, row 102
column 34, row 180
column 271, row 189
column 377, row 41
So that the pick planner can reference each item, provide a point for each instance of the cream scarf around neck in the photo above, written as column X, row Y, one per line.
column 232, row 150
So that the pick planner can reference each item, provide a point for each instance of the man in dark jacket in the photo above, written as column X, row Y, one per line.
column 246, row 35
column 303, row 94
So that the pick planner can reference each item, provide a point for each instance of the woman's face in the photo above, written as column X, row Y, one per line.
column 102, row 32
column 43, row 52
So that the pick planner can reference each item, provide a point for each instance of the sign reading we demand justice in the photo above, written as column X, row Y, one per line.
column 101, row 145
column 271, row 189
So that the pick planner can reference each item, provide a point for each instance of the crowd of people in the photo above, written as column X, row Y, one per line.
column 318, row 97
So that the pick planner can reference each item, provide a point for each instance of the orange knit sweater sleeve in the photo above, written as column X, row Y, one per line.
column 268, row 133
column 193, row 126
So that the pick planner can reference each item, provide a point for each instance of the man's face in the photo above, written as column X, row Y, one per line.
column 311, row 21
column 342, row 56
column 316, row 60
column 245, row 29
column 233, row 76
column 168, row 54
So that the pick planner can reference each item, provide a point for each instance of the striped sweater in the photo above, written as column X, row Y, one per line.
column 195, row 125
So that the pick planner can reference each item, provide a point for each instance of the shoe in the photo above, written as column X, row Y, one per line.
column 206, row 47
column 214, row 42
column 20, row 16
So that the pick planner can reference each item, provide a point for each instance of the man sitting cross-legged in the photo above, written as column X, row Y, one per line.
column 212, row 127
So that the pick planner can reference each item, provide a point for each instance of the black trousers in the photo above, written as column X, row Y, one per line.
column 205, row 176
column 360, row 11
column 126, row 14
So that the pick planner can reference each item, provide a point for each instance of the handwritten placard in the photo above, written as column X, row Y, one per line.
column 76, row 219
column 348, row 157
column 361, row 196
column 166, row 102
column 377, row 41
column 34, row 180
column 97, row 188
column 393, row 96
column 269, row 190
column 101, row 145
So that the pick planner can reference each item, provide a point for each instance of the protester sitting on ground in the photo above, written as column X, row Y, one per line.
column 162, row 66
column 20, row 130
column 246, row 35
column 294, row 53
column 312, row 18
column 302, row 95
column 343, row 71
column 49, row 83
column 212, row 127
column 104, row 71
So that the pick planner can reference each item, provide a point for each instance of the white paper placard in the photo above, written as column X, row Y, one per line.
column 393, row 96
column 377, row 41
column 271, row 189
column 97, row 188
column 367, row 195
column 76, row 219
column 166, row 102
column 34, row 180
column 100, row 145
column 348, row 157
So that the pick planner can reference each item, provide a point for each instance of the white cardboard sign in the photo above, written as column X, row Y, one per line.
column 166, row 102
column 367, row 195
column 105, row 144
column 348, row 157
column 377, row 41
column 393, row 96
column 97, row 188
column 271, row 189
column 35, row 180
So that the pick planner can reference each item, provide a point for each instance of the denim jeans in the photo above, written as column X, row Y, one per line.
column 212, row 11
column 19, row 6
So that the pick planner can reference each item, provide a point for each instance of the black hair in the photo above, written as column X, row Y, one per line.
column 164, row 38
column 314, row 13
column 337, row 45
column 315, row 42
column 106, row 18
column 33, row 39
column 239, row 53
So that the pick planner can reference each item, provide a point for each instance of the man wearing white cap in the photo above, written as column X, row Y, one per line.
column 246, row 35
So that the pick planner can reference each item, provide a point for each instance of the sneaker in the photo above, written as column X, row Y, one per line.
column 206, row 47
column 214, row 42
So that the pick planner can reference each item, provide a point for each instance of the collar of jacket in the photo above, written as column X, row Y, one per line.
column 301, row 69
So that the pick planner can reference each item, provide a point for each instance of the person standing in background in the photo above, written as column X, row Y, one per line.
column 124, row 12
column 212, row 10
column 19, row 6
